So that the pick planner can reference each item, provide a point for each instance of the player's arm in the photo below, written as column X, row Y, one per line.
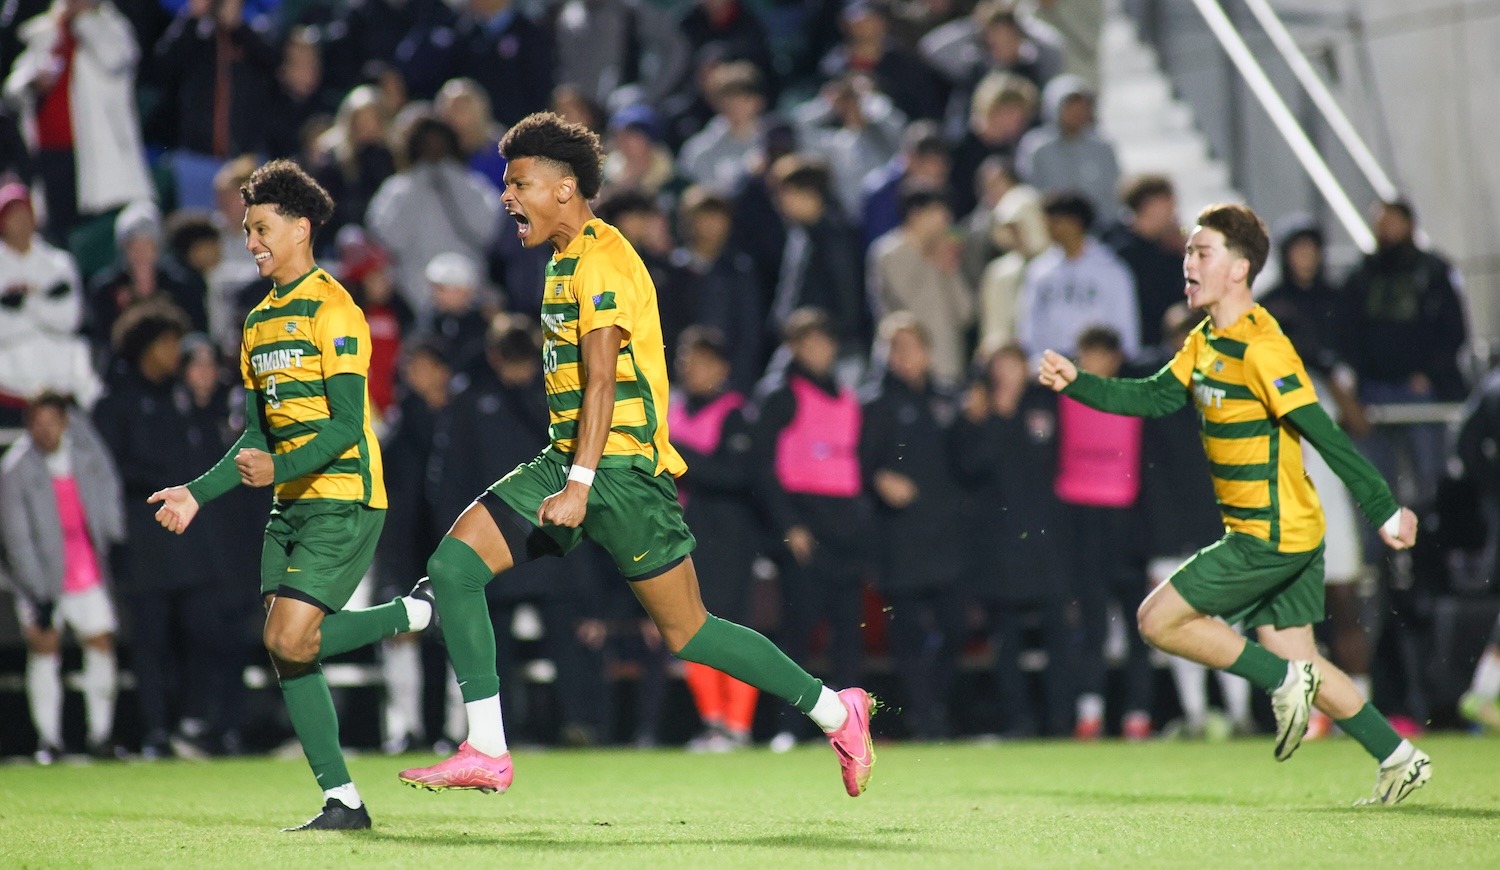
column 599, row 354
column 1154, row 396
column 1398, row 525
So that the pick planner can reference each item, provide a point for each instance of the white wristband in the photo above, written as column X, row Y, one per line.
column 583, row 475
column 1392, row 526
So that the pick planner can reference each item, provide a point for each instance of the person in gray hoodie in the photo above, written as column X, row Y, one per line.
column 1075, row 284
column 60, row 511
column 1066, row 152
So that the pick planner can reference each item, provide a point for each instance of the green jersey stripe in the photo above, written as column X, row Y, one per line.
column 1274, row 461
column 291, row 388
column 1229, row 347
column 1254, row 471
column 308, row 348
column 1231, row 391
column 1242, row 429
column 356, row 465
column 364, row 462
column 1244, row 513
column 292, row 308
column 562, row 268
column 297, row 430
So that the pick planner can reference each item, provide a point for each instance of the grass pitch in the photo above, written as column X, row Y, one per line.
column 945, row 805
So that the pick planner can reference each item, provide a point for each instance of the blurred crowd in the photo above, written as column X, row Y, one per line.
column 864, row 220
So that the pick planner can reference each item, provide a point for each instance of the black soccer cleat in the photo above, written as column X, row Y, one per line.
column 336, row 817
column 423, row 592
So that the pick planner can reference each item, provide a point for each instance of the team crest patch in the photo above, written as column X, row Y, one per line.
column 291, row 326
column 1218, row 365
column 557, row 291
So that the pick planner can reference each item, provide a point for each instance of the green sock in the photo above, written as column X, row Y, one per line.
column 352, row 629
column 749, row 657
column 1372, row 731
column 1260, row 666
column 317, row 725
column 458, row 579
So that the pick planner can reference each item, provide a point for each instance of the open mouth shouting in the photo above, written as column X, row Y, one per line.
column 523, row 225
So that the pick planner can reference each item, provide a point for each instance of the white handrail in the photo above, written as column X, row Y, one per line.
column 1333, row 113
column 1303, row 148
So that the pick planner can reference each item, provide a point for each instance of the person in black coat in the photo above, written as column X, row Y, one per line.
column 707, row 420
column 918, row 512
column 496, row 421
column 166, row 582
column 1005, row 445
column 493, row 43
column 186, row 66
column 723, row 279
column 822, row 264
column 378, row 30
column 1151, row 244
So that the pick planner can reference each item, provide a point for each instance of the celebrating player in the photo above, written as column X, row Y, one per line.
column 608, row 473
column 304, row 359
column 1255, row 402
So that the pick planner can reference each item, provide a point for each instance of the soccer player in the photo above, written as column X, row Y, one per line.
column 1255, row 403
column 305, row 358
column 608, row 473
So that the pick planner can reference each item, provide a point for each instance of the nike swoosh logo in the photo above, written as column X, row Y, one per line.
column 641, row 556
column 294, row 570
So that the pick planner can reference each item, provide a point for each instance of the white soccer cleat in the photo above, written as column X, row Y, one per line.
column 1396, row 781
column 1292, row 703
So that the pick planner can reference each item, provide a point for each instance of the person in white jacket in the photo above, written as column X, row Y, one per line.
column 74, row 84
column 41, row 307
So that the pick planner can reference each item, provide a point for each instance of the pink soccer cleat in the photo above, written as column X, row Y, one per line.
column 467, row 768
column 852, row 742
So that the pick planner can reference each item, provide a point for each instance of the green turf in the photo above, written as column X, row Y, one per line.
column 1033, row 804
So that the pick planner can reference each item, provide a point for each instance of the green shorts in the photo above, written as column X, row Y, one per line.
column 1241, row 577
column 317, row 550
column 632, row 514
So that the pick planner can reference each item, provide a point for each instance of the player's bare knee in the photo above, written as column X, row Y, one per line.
column 284, row 646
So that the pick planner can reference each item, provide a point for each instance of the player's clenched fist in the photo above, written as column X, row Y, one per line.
column 566, row 507
column 178, row 507
column 1057, row 371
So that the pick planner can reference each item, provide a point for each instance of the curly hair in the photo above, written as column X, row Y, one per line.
column 1244, row 233
column 140, row 325
column 573, row 148
column 294, row 194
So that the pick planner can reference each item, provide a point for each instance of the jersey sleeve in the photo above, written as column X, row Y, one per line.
column 1275, row 374
column 246, row 374
column 343, row 339
column 607, row 296
column 1181, row 365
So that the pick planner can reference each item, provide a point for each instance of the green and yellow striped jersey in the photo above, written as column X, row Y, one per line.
column 1244, row 379
column 295, row 338
column 600, row 281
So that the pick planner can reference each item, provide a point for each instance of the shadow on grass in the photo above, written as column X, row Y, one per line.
column 544, row 840
column 1135, row 799
column 1426, row 810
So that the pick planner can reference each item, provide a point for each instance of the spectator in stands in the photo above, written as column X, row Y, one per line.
column 1005, row 447
column 734, row 32
column 75, row 82
column 758, row 227
column 1098, row 482
column 167, row 582
column 1304, row 301
column 1020, row 228
column 868, row 48
column 41, row 308
column 999, row 113
column 300, row 94
column 365, row 271
column 709, row 429
column 236, row 272
column 994, row 178
column 435, row 205
column 1076, row 284
column 992, row 39
column 463, row 105
column 914, row 268
column 456, row 320
column 60, row 515
column 808, row 480
column 606, row 45
column 723, row 280
column 820, row 266
column 855, row 129
column 411, row 529
column 1405, row 327
column 641, row 221
column 1478, row 448
column 1151, row 244
column 1178, row 515
column 219, row 75
column 719, row 154
column 1066, row 152
column 139, row 273
column 907, row 467
column 1080, row 24
column 921, row 162
column 194, row 251
column 636, row 158
column 576, row 108
column 353, row 159
column 492, row 42
column 380, row 31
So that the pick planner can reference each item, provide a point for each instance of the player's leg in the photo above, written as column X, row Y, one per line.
column 92, row 618
column 44, row 690
column 1479, row 704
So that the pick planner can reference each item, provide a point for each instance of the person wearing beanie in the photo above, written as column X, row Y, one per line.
column 140, row 272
